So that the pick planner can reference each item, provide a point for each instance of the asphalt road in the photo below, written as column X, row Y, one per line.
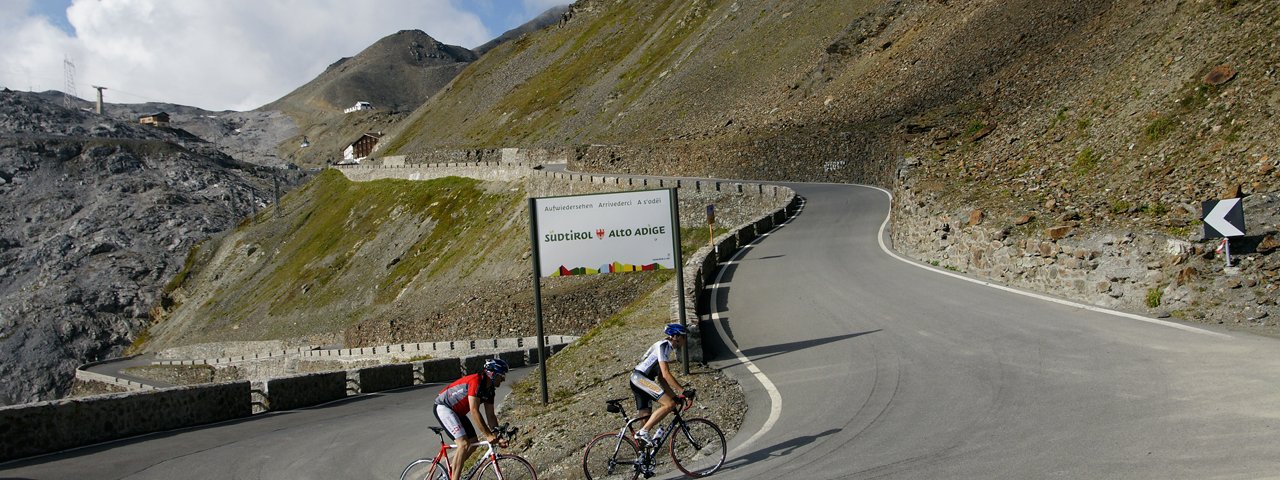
column 862, row 365
column 886, row 369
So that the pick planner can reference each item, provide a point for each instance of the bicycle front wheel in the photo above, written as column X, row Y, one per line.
column 425, row 469
column 610, row 457
column 698, row 447
column 508, row 467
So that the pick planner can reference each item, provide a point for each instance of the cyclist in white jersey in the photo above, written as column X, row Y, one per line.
column 652, row 379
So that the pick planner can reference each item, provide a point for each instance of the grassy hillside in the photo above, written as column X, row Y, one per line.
column 622, row 71
column 336, row 252
column 388, row 261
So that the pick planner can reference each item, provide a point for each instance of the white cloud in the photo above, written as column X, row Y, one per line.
column 223, row 54
column 538, row 6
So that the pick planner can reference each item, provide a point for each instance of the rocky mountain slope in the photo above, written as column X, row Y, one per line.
column 1108, row 118
column 396, row 75
column 254, row 137
column 97, row 216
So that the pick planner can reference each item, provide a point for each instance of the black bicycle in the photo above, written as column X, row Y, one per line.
column 697, row 447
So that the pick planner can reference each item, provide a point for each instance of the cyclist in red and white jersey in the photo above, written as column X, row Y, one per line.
column 458, row 408
column 652, row 379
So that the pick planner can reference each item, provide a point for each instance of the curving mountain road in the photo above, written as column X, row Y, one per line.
column 885, row 369
column 861, row 365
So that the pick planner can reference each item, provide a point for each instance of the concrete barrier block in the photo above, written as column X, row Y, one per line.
column 384, row 377
column 474, row 363
column 531, row 355
column 746, row 235
column 299, row 391
column 764, row 224
column 727, row 247
column 514, row 358
column 441, row 370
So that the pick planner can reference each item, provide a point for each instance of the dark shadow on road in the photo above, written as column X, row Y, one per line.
column 779, row 450
column 715, row 349
column 757, row 353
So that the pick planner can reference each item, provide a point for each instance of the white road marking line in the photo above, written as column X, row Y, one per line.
column 775, row 397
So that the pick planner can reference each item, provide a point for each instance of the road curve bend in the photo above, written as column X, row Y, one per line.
column 885, row 369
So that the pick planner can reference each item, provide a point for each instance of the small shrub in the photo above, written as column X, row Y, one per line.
column 1159, row 128
column 1156, row 209
column 1120, row 207
column 1060, row 117
column 1086, row 161
column 1153, row 297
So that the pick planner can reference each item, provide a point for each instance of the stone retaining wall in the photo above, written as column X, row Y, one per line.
column 43, row 427
column 38, row 428
column 450, row 348
column 488, row 171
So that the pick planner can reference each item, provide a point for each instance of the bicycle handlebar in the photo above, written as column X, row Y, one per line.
column 507, row 431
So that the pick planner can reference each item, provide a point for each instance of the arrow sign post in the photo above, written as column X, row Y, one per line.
column 1223, row 219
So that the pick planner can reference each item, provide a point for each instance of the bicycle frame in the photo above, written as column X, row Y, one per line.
column 617, row 454
column 629, row 428
column 442, row 457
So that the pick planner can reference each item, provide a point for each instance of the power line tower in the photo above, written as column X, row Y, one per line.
column 69, row 84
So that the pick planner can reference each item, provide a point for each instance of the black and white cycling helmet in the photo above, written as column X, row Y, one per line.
column 497, row 366
column 674, row 329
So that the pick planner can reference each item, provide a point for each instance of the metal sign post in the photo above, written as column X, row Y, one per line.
column 1226, row 250
column 537, row 301
column 711, row 230
column 1223, row 219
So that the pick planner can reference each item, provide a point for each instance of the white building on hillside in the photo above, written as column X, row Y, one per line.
column 359, row 106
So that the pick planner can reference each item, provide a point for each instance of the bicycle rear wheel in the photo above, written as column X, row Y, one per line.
column 609, row 457
column 512, row 467
column 698, row 447
column 422, row 469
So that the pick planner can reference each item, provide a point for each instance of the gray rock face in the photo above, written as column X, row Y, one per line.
column 95, row 216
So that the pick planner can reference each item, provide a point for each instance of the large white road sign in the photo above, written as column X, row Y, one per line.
column 606, row 233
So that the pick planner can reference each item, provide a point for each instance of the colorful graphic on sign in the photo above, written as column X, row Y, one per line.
column 605, row 233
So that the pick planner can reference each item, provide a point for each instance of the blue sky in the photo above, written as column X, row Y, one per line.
column 220, row 54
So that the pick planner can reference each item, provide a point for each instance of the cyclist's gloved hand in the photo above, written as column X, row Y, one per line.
column 688, row 402
column 500, row 441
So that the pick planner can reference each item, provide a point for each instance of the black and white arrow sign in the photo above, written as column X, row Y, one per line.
column 1223, row 218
